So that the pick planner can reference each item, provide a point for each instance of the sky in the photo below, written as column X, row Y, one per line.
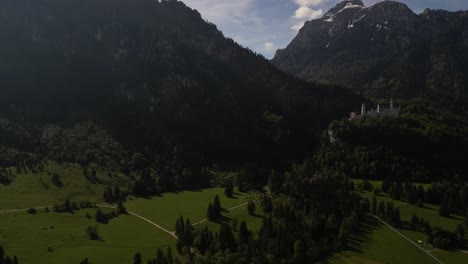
column 267, row 25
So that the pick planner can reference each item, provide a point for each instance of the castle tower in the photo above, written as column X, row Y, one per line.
column 363, row 109
column 378, row 108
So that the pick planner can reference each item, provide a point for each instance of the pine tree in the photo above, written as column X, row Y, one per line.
column 210, row 213
column 169, row 256
column 229, row 190
column 343, row 234
column 374, row 205
column 121, row 209
column 180, row 227
column 443, row 209
column 187, row 237
column 396, row 217
column 160, row 259
column 137, row 258
column 243, row 233
column 100, row 216
column 217, row 207
column 84, row 261
column 267, row 205
column 299, row 252
column 2, row 254
column 117, row 193
column 67, row 205
column 226, row 237
column 251, row 208
column 110, row 195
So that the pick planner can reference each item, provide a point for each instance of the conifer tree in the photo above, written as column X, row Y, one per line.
column 217, row 207
column 243, row 233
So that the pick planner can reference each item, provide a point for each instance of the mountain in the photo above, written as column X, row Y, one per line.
column 384, row 50
column 151, row 77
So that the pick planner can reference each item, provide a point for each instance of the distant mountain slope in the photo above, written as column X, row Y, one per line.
column 156, row 76
column 384, row 50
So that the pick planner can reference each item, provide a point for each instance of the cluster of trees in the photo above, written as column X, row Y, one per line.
column 229, row 190
column 214, row 209
column 395, row 149
column 113, row 195
column 85, row 143
column 306, row 217
column 447, row 240
column 5, row 259
column 160, row 258
column 451, row 196
column 92, row 232
column 437, row 236
column 104, row 218
column 184, row 233
column 251, row 207
column 386, row 211
column 4, row 179
column 419, row 224
column 70, row 206
column 57, row 181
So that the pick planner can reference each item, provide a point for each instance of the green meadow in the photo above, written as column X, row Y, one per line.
column 377, row 243
column 165, row 209
column 29, row 236
column 30, row 189
column 429, row 212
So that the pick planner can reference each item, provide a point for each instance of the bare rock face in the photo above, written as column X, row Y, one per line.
column 384, row 50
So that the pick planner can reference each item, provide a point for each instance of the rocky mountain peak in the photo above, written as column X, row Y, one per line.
column 392, row 10
column 361, row 48
column 345, row 5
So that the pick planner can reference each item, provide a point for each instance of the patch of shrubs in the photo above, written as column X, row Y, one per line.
column 71, row 206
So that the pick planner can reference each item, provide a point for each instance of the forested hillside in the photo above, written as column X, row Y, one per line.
column 97, row 81
column 425, row 144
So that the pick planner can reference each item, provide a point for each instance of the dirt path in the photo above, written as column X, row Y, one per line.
column 142, row 218
column 171, row 233
column 409, row 240
column 22, row 210
column 99, row 206
column 230, row 209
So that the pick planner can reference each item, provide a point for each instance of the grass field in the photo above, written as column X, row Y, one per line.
column 376, row 243
column 36, row 189
column 29, row 236
column 430, row 213
column 166, row 209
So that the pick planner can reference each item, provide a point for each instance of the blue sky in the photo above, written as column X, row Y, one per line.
column 266, row 25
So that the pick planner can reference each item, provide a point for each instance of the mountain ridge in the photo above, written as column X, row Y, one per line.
column 156, row 77
column 384, row 50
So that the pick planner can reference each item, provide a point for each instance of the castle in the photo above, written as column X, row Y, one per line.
column 390, row 110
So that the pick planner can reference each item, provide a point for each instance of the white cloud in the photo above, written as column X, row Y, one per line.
column 269, row 45
column 309, row 2
column 297, row 26
column 305, row 12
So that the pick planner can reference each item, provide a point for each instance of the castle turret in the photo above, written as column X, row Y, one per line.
column 378, row 108
column 363, row 109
